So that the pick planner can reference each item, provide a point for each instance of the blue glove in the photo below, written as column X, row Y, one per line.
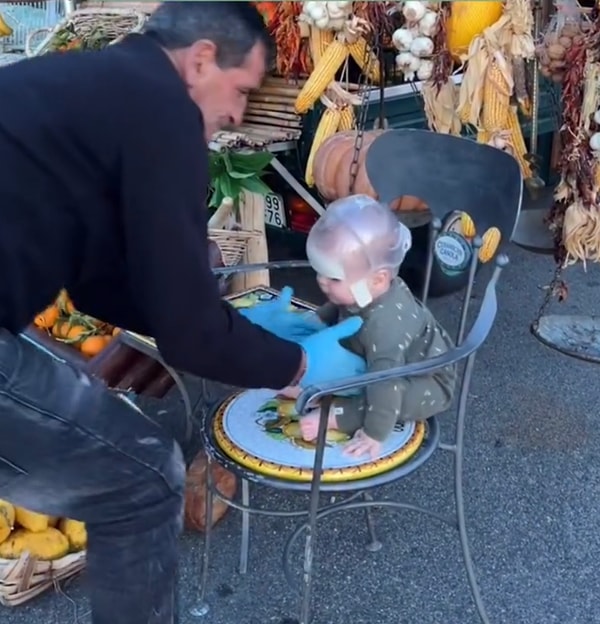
column 327, row 360
column 275, row 316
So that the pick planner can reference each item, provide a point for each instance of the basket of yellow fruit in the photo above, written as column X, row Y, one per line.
column 36, row 552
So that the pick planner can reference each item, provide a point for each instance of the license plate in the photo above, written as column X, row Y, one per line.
column 275, row 211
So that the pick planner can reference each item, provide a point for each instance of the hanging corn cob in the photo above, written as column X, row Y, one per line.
column 490, row 242
column 497, row 89
column 517, row 141
column 365, row 58
column 466, row 225
column 319, row 42
column 347, row 118
column 328, row 126
column 323, row 74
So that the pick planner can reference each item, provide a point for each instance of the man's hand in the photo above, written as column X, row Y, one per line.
column 277, row 317
column 326, row 359
column 361, row 444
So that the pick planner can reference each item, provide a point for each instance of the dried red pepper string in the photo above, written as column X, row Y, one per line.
column 443, row 63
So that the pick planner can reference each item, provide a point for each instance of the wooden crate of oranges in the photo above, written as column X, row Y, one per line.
column 67, row 325
column 95, row 347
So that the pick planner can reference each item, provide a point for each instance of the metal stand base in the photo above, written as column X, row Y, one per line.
column 531, row 233
column 573, row 335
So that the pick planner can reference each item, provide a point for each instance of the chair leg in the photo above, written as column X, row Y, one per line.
column 464, row 540
column 374, row 544
column 245, row 545
column 313, row 513
column 201, row 609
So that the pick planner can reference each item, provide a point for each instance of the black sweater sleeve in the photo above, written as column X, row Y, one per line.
column 164, row 167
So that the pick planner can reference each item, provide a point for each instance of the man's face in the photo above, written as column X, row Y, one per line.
column 222, row 94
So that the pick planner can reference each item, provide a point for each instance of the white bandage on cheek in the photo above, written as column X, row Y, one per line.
column 360, row 292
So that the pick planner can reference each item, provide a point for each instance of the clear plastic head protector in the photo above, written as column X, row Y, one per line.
column 356, row 237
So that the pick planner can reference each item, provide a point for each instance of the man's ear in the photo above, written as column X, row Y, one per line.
column 200, row 56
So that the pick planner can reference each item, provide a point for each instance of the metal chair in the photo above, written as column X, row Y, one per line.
column 464, row 352
column 358, row 492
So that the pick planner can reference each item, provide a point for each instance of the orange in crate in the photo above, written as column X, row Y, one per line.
column 63, row 322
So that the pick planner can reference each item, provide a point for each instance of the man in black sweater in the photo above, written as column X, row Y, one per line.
column 103, row 181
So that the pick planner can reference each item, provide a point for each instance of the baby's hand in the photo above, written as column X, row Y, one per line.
column 290, row 392
column 309, row 426
column 362, row 444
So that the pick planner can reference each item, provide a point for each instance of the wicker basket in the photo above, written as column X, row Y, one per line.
column 25, row 578
column 232, row 243
column 111, row 23
column 144, row 7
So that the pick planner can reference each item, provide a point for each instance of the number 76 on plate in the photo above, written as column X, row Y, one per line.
column 275, row 211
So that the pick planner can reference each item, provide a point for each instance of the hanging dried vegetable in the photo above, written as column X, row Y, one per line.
column 440, row 94
column 575, row 216
column 293, row 51
column 378, row 15
column 566, row 28
column 443, row 62
column 268, row 10
column 489, row 97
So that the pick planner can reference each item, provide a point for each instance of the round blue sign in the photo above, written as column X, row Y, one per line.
column 453, row 253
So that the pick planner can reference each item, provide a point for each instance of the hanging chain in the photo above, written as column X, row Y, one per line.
column 364, row 91
column 556, row 288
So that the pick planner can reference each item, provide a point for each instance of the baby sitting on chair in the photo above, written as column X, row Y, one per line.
column 356, row 249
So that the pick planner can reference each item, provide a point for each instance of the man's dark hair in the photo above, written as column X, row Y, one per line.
column 234, row 27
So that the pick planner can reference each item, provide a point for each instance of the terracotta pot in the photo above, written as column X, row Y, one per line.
column 195, row 493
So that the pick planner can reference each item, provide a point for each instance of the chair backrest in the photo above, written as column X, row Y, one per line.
column 450, row 174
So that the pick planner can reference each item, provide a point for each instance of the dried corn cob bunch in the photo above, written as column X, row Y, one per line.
column 324, row 72
column 328, row 126
column 365, row 58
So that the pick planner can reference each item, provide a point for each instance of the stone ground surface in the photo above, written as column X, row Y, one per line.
column 532, row 479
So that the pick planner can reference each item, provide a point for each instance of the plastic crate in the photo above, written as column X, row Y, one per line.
column 24, row 17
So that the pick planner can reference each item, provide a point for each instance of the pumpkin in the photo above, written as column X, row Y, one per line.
column 333, row 161
column 468, row 20
column 195, row 493
column 408, row 203
column 332, row 170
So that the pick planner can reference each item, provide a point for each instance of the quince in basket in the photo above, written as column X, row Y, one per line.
column 7, row 519
column 44, row 537
column 45, row 545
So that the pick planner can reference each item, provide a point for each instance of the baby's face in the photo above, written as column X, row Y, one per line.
column 339, row 291
column 336, row 290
